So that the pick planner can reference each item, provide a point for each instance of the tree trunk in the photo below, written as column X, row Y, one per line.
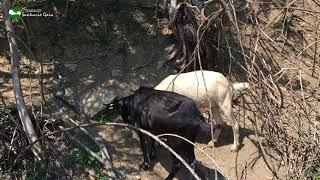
column 23, row 113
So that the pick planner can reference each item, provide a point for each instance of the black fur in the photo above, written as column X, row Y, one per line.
column 162, row 112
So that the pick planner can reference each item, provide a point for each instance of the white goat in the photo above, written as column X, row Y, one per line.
column 220, row 93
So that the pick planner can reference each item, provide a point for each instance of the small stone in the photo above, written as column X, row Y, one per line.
column 138, row 177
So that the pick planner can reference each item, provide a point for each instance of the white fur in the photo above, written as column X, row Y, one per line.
column 219, row 91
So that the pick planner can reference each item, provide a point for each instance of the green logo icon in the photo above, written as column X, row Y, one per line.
column 14, row 12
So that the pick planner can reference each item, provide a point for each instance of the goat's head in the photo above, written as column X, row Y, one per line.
column 117, row 105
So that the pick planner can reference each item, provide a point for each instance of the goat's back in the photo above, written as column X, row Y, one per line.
column 192, row 85
column 168, row 112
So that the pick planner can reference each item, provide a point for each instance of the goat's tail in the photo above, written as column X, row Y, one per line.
column 239, row 86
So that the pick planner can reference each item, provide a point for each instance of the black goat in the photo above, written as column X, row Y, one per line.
column 162, row 112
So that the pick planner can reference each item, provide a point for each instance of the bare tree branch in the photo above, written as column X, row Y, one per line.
column 23, row 113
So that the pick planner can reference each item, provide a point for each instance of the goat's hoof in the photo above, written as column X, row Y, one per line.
column 144, row 166
column 234, row 147
column 211, row 143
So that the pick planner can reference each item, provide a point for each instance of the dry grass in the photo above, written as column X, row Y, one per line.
column 275, row 46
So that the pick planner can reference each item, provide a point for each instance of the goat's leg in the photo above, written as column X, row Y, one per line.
column 227, row 109
column 235, row 128
column 175, row 144
column 219, row 123
column 153, row 152
column 191, row 159
column 176, row 165
column 186, row 151
column 145, row 145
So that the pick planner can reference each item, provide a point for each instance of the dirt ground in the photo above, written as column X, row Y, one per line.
column 245, row 164
column 133, row 56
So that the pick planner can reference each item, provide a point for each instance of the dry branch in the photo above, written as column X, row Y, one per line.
column 15, row 58
column 284, row 109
